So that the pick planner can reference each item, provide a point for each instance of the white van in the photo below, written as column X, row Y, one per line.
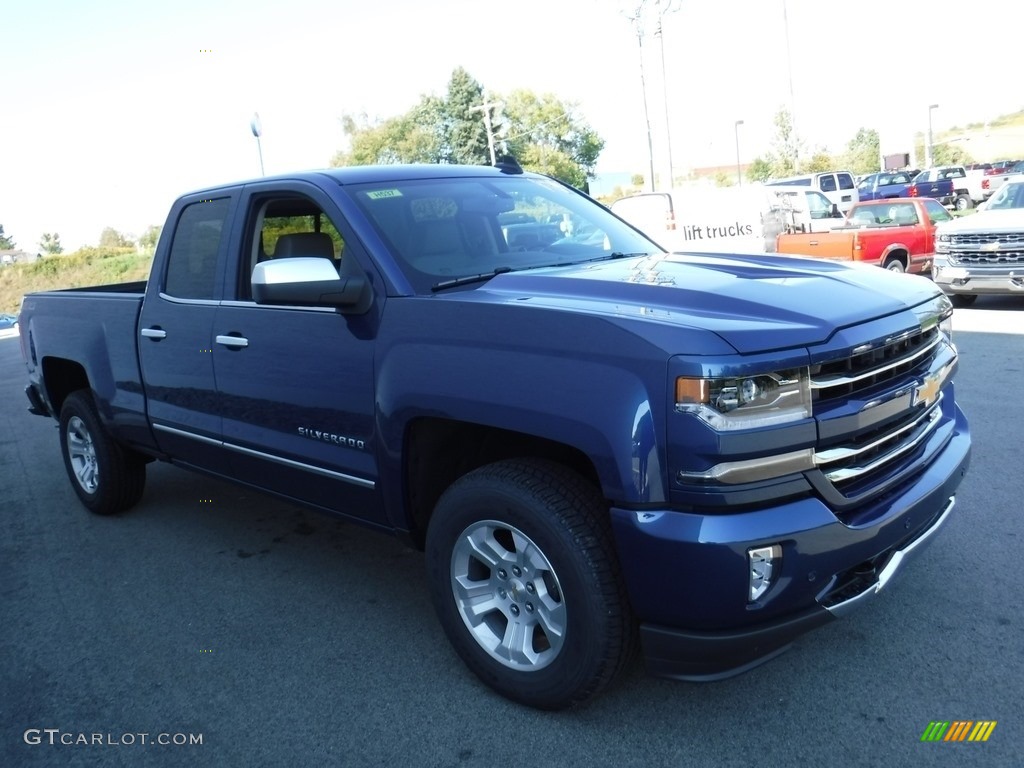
column 745, row 219
column 838, row 186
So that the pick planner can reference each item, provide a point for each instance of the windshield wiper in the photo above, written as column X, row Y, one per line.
column 469, row 279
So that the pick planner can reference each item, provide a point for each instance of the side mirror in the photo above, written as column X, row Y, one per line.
column 836, row 213
column 310, row 281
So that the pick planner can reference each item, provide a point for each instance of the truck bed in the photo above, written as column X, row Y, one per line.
column 102, row 321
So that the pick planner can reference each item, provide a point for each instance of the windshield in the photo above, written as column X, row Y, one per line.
column 1010, row 195
column 447, row 228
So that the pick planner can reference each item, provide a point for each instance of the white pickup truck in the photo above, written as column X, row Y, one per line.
column 983, row 254
column 966, row 184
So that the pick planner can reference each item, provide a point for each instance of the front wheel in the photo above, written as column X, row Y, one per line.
column 107, row 477
column 526, row 583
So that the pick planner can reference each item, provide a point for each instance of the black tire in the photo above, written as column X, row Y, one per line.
column 963, row 299
column 107, row 477
column 553, row 577
column 963, row 203
column 895, row 265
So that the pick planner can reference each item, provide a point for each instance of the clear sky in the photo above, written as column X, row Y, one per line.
column 112, row 108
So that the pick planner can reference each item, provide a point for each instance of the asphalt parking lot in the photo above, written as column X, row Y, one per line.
column 282, row 638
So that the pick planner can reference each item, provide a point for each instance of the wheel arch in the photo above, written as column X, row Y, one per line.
column 438, row 451
column 897, row 252
column 60, row 378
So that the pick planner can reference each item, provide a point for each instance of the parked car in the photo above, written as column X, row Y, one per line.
column 896, row 234
column 983, row 254
column 879, row 186
column 596, row 444
column 925, row 185
column 968, row 187
column 8, row 325
column 999, row 167
column 837, row 186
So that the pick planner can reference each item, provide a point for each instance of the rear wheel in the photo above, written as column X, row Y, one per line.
column 107, row 477
column 964, row 203
column 894, row 265
column 526, row 583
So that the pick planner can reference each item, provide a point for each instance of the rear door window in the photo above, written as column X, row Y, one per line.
column 827, row 182
column 192, row 262
column 845, row 181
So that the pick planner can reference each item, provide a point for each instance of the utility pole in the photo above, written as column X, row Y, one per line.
column 792, row 100
column 486, row 108
column 636, row 21
column 662, row 10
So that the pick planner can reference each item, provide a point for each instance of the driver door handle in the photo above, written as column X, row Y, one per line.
column 235, row 342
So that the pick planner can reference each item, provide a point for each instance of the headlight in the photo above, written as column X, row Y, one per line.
column 744, row 402
column 946, row 325
column 942, row 243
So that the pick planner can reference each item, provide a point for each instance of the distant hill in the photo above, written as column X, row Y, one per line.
column 999, row 139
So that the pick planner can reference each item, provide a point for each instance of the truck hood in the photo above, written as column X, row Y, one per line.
column 1002, row 220
column 755, row 303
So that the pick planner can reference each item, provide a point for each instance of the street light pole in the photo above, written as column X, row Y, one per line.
column 928, row 150
column 739, row 174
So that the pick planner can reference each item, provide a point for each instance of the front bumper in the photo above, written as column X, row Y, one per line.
column 954, row 279
column 686, row 573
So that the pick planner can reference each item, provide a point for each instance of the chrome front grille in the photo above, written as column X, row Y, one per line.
column 873, row 453
column 978, row 259
column 987, row 249
column 881, row 403
column 873, row 364
column 1009, row 240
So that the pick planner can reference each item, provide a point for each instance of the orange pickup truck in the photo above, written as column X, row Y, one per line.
column 897, row 234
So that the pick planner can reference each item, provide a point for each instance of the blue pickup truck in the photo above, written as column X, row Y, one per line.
column 597, row 444
column 883, row 186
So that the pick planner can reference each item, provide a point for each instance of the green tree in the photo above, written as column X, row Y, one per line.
column 545, row 134
column 943, row 153
column 464, row 128
column 637, row 180
column 149, row 238
column 50, row 243
column 787, row 145
column 542, row 132
column 863, row 152
column 723, row 179
column 6, row 243
column 111, row 238
column 759, row 170
column 820, row 161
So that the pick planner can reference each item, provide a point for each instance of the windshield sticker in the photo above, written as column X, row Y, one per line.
column 380, row 194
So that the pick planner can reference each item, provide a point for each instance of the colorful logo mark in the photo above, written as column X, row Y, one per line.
column 958, row 730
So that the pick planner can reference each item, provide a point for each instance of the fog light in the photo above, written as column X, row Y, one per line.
column 764, row 565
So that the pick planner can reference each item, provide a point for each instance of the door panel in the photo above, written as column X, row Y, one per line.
column 175, row 341
column 297, row 403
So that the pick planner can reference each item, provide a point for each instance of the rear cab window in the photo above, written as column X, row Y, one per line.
column 192, row 263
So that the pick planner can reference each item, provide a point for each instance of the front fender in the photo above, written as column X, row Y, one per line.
column 603, row 394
